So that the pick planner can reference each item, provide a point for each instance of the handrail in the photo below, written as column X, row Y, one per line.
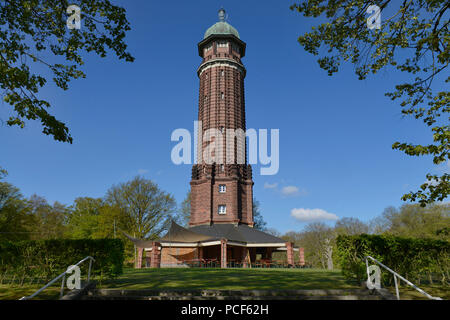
column 396, row 275
column 63, row 275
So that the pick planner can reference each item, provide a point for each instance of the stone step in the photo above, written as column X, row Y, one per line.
column 227, row 293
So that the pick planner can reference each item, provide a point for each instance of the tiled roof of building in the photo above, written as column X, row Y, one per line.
column 239, row 233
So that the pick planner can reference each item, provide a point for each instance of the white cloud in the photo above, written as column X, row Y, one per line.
column 270, row 186
column 292, row 191
column 289, row 190
column 311, row 215
column 143, row 171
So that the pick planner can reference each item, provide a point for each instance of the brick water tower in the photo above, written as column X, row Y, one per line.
column 221, row 191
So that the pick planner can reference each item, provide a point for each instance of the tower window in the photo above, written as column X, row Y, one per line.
column 208, row 48
column 222, row 95
column 222, row 44
column 222, row 209
column 222, row 73
column 222, row 188
column 222, row 168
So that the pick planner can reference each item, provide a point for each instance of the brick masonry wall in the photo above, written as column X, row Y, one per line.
column 290, row 253
column 222, row 105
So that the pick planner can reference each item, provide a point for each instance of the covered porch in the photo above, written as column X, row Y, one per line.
column 217, row 246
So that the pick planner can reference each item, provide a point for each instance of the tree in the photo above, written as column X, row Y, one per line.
column 146, row 210
column 51, row 221
column 93, row 218
column 258, row 220
column 318, row 241
column 16, row 222
column 273, row 232
column 412, row 220
column 34, row 34
column 110, row 221
column 83, row 221
column 185, row 212
column 351, row 226
column 321, row 240
column 382, row 224
column 3, row 173
column 415, row 41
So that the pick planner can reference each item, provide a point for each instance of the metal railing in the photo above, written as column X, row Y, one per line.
column 63, row 276
column 396, row 275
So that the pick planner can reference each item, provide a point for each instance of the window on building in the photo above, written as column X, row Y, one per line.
column 222, row 209
column 222, row 168
column 222, row 73
column 222, row 44
column 222, row 129
column 222, row 188
column 209, row 47
column 222, row 95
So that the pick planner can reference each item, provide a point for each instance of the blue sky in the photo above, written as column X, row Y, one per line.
column 335, row 132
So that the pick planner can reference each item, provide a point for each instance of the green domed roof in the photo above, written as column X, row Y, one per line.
column 221, row 28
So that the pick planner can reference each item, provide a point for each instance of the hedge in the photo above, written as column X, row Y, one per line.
column 48, row 258
column 410, row 257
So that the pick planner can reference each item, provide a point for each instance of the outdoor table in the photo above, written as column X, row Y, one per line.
column 265, row 263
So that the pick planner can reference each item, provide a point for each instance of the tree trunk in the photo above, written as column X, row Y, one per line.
column 329, row 254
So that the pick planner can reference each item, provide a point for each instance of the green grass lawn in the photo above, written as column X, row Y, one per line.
column 408, row 293
column 226, row 279
column 15, row 292
column 229, row 279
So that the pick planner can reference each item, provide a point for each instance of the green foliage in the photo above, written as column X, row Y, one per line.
column 147, row 210
column 258, row 220
column 414, row 221
column 3, row 173
column 16, row 219
column 414, row 41
column 409, row 257
column 50, row 219
column 34, row 33
column 185, row 212
column 48, row 258
column 93, row 218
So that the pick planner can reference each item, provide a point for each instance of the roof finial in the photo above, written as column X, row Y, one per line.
column 222, row 15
